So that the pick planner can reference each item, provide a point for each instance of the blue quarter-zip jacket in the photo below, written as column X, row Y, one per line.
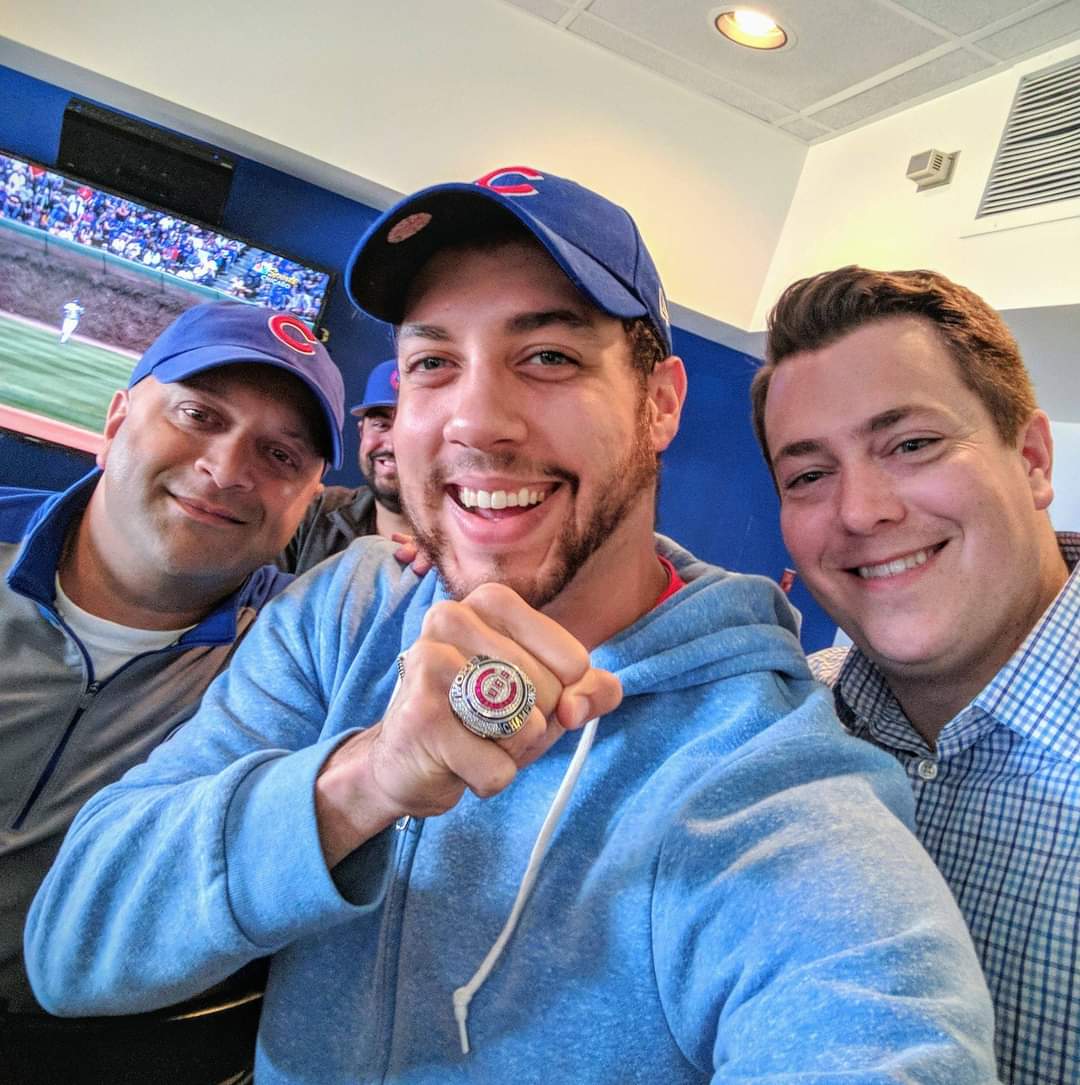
column 64, row 735
column 733, row 893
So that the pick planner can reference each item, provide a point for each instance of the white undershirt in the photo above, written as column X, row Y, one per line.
column 109, row 644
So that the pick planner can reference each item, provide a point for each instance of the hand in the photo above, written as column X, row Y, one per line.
column 409, row 553
column 420, row 758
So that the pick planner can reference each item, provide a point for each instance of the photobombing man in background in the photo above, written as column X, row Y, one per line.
column 340, row 514
column 122, row 598
column 721, row 885
column 914, row 473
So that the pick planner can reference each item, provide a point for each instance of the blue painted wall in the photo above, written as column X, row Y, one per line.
column 716, row 495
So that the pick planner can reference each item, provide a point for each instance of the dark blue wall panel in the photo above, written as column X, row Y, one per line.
column 39, row 465
column 716, row 496
column 31, row 116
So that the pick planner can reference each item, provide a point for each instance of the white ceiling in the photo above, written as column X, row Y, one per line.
column 850, row 62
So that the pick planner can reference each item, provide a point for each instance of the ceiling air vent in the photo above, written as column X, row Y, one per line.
column 1038, row 160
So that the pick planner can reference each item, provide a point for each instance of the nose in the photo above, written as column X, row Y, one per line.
column 228, row 459
column 867, row 499
column 487, row 411
column 382, row 441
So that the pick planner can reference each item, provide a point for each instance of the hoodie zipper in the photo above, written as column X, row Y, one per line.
column 407, row 830
column 84, row 703
column 86, row 699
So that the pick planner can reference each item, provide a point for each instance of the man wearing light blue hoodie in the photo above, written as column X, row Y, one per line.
column 569, row 810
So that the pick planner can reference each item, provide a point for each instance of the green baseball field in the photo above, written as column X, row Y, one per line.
column 71, row 382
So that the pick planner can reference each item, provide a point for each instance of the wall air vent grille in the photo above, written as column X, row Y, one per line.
column 1038, row 159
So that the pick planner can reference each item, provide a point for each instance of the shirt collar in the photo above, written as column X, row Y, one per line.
column 1035, row 694
column 33, row 573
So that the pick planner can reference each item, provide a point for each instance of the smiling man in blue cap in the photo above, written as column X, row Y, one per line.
column 123, row 597
column 340, row 514
column 568, row 808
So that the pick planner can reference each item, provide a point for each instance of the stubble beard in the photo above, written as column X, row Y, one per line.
column 628, row 479
column 387, row 495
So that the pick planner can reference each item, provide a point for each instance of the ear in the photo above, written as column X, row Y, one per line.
column 117, row 412
column 667, row 393
column 1036, row 446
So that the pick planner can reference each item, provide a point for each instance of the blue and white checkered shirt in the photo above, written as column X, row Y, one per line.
column 997, row 805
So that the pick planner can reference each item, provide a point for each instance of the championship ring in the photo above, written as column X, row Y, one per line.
column 491, row 697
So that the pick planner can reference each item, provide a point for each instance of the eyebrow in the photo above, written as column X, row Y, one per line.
column 307, row 439
column 877, row 424
column 522, row 322
column 423, row 331
column 304, row 436
column 527, row 322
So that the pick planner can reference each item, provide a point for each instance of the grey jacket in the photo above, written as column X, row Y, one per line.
column 64, row 735
column 336, row 517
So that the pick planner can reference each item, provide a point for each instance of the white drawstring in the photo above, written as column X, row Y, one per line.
column 464, row 995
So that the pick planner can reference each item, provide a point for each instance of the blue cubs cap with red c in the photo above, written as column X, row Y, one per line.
column 381, row 389
column 232, row 333
column 593, row 240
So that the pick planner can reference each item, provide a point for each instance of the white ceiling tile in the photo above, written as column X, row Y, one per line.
column 805, row 129
column 964, row 16
column 913, row 84
column 1057, row 22
column 552, row 10
column 836, row 47
column 610, row 37
column 838, row 44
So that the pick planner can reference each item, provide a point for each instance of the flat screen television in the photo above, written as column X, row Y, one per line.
column 89, row 278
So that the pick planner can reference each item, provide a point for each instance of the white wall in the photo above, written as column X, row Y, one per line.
column 854, row 205
column 408, row 92
column 1065, row 511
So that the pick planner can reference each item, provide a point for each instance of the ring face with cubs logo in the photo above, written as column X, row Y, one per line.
column 491, row 697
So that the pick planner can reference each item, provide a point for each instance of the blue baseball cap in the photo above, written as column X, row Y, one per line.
column 231, row 333
column 381, row 389
column 593, row 240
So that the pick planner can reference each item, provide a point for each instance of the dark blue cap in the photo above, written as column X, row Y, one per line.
column 594, row 241
column 381, row 389
column 232, row 333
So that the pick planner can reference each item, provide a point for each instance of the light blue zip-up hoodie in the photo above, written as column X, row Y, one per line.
column 731, row 894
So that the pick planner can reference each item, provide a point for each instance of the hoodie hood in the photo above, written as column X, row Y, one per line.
column 720, row 625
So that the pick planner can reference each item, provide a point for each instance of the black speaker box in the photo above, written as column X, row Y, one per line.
column 146, row 163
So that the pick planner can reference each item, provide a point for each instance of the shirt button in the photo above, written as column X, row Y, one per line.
column 927, row 769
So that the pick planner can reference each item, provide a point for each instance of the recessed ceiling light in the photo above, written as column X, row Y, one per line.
column 751, row 28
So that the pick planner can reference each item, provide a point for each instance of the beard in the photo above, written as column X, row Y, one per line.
column 619, row 491
column 388, row 494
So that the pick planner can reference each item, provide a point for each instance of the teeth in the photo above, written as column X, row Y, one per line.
column 500, row 499
column 892, row 568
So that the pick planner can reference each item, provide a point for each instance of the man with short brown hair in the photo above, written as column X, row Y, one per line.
column 914, row 473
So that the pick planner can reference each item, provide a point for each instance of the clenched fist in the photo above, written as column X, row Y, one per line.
column 419, row 758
